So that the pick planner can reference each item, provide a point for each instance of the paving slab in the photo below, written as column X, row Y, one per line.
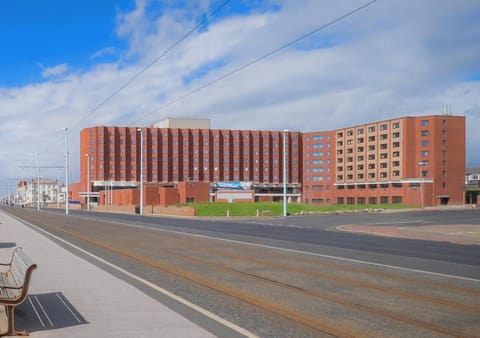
column 70, row 297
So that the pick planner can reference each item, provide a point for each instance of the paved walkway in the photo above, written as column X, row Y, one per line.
column 459, row 234
column 69, row 297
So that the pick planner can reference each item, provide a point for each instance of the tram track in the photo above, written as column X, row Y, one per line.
column 116, row 238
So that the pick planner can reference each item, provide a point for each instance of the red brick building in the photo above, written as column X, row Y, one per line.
column 366, row 164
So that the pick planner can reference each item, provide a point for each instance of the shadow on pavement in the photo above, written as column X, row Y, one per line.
column 4, row 245
column 47, row 311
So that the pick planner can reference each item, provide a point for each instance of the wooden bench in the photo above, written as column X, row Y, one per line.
column 14, row 283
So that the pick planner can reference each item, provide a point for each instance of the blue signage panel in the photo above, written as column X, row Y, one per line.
column 234, row 185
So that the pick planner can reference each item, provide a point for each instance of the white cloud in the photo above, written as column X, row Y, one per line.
column 103, row 52
column 54, row 71
column 395, row 58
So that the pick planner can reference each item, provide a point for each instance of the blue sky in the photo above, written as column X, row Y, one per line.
column 47, row 33
column 61, row 59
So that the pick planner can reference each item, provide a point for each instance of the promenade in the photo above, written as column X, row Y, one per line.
column 70, row 297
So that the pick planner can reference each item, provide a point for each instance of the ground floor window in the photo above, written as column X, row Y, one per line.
column 317, row 200
column 360, row 200
column 350, row 200
column 372, row 200
column 396, row 199
column 384, row 199
column 340, row 201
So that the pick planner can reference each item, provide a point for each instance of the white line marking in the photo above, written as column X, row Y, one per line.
column 195, row 307
column 36, row 312
column 69, row 309
column 308, row 253
column 44, row 312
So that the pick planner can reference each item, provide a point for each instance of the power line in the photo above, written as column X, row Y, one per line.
column 137, row 75
column 201, row 23
column 236, row 70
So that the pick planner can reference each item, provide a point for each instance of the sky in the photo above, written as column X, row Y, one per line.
column 77, row 64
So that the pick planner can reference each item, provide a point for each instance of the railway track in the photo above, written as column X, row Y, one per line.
column 327, row 298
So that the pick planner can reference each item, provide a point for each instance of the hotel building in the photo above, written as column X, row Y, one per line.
column 408, row 160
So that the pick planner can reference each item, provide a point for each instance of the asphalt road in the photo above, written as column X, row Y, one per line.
column 316, row 234
column 358, row 283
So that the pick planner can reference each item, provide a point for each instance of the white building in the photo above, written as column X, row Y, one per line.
column 472, row 177
column 28, row 191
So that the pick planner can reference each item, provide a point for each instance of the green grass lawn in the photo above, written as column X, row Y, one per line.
column 276, row 208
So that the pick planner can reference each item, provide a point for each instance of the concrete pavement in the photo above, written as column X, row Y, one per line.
column 70, row 297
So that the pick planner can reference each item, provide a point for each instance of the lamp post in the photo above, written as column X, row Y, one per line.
column 420, row 165
column 141, row 170
column 285, row 131
column 66, row 170
column 88, row 181
column 38, row 181
column 58, row 190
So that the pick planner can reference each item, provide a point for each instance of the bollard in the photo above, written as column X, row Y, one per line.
column 258, row 213
column 228, row 212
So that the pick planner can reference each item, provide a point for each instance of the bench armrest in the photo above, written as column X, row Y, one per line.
column 10, row 287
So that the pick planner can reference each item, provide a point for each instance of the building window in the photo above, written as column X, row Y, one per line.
column 396, row 199
column 396, row 135
column 360, row 131
column 384, row 199
column 360, row 200
column 371, row 129
column 424, row 123
column 424, row 132
column 372, row 200
column 425, row 153
column 396, row 125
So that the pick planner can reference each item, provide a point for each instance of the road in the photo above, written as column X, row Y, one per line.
column 294, row 277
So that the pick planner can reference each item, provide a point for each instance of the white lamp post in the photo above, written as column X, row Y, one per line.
column 38, row 181
column 88, row 181
column 58, row 190
column 66, row 170
column 141, row 170
column 420, row 165
column 285, row 131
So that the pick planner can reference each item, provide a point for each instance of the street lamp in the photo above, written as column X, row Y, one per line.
column 58, row 190
column 141, row 170
column 38, row 181
column 420, row 165
column 88, row 181
column 66, row 170
column 285, row 131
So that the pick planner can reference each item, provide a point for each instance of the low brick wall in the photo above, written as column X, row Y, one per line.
column 119, row 208
column 175, row 211
column 149, row 210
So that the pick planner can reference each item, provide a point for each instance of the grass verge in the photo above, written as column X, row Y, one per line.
column 276, row 208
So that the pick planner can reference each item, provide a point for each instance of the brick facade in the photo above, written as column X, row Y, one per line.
column 365, row 164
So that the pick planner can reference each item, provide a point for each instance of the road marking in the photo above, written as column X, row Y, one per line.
column 308, row 253
column 167, row 293
column 395, row 223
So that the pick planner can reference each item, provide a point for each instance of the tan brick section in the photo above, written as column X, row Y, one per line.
column 459, row 234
